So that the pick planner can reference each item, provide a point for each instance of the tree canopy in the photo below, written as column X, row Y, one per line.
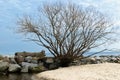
column 66, row 30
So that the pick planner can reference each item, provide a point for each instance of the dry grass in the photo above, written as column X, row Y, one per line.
column 106, row 71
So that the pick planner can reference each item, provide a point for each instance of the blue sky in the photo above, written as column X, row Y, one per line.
column 10, row 10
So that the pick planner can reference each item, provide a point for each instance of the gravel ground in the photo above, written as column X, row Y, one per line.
column 105, row 71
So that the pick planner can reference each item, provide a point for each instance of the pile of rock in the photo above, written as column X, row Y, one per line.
column 28, row 56
column 37, row 62
column 97, row 60
column 27, row 62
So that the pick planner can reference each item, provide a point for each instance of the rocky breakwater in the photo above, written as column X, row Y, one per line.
column 97, row 60
column 25, row 62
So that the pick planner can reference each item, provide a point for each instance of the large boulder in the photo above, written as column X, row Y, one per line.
column 32, row 54
column 34, row 61
column 88, row 61
column 27, row 66
column 75, row 62
column 6, row 59
column 24, row 69
column 19, row 59
column 49, row 60
column 92, row 60
column 50, row 63
column 14, row 68
column 4, row 66
column 12, row 61
column 28, row 59
column 53, row 66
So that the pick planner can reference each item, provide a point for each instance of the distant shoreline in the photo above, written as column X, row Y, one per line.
column 50, row 55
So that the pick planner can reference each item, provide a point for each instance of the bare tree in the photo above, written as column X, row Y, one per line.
column 67, row 31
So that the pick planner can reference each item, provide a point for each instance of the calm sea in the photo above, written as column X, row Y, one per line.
column 50, row 55
column 16, row 77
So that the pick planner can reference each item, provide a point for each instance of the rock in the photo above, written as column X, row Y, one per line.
column 40, row 63
column 34, row 61
column 12, row 61
column 37, row 69
column 41, row 54
column 24, row 69
column 32, row 54
column 98, row 61
column 104, row 59
column 4, row 66
column 49, row 63
column 26, row 66
column 14, row 68
column 29, row 64
column 75, row 62
column 19, row 59
column 93, row 60
column 1, row 57
column 49, row 60
column 88, row 61
column 6, row 59
column 83, row 61
column 28, row 59
column 53, row 66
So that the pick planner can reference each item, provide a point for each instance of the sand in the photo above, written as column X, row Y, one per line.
column 104, row 71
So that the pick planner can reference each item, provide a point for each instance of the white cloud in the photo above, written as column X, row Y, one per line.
column 110, row 8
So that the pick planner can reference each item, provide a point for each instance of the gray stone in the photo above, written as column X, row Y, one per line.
column 49, row 60
column 6, row 59
column 34, row 61
column 24, row 69
column 28, row 59
column 26, row 66
column 29, row 64
column 4, row 66
column 32, row 54
column 75, row 62
column 14, row 68
column 88, row 61
column 98, row 61
column 40, row 63
column 19, row 59
column 93, row 60
column 83, row 61
column 12, row 61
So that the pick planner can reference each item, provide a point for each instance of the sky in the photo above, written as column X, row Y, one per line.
column 11, row 10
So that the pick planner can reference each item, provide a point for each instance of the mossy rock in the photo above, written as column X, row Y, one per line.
column 37, row 69
column 4, row 66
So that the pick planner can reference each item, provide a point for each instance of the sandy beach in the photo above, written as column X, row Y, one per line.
column 105, row 71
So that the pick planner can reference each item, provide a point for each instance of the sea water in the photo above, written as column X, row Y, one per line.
column 15, row 76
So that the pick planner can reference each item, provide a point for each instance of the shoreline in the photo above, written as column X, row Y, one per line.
column 33, row 62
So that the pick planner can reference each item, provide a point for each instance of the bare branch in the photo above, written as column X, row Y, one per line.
column 67, row 30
